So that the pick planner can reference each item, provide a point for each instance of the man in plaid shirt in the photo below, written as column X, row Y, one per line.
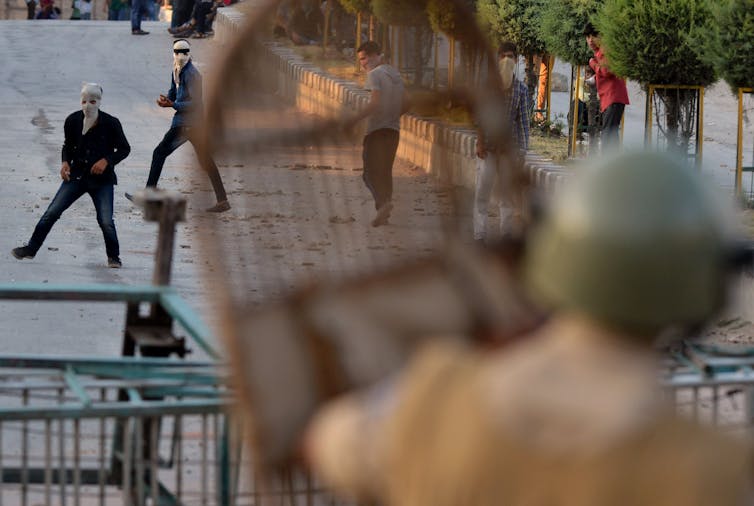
column 496, row 160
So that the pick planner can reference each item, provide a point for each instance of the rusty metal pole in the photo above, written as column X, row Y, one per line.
column 167, row 208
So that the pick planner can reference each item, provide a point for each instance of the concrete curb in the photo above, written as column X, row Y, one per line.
column 447, row 152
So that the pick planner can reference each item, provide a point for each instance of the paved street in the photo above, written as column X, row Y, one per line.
column 45, row 63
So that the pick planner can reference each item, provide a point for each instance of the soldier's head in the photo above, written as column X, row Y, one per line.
column 639, row 243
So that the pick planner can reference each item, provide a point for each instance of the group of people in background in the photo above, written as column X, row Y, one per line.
column 189, row 18
column 495, row 162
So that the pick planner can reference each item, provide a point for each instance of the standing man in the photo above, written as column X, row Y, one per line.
column 185, row 96
column 493, row 161
column 610, row 88
column 94, row 144
column 31, row 7
column 388, row 100
column 139, row 8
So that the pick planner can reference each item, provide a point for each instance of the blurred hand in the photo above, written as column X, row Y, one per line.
column 65, row 172
column 164, row 101
column 99, row 167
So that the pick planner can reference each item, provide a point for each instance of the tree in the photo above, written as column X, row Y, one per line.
column 562, row 28
column 457, row 20
column 400, row 12
column 356, row 6
column 446, row 16
column 408, row 13
column 728, row 44
column 651, row 41
column 513, row 20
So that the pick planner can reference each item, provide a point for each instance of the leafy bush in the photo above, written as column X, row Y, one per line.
column 400, row 12
column 653, row 42
column 650, row 41
column 729, row 43
column 514, row 20
column 356, row 6
column 562, row 28
column 445, row 16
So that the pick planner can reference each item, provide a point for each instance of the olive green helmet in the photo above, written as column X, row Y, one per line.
column 637, row 242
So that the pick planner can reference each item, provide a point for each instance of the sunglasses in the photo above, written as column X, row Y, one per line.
column 181, row 51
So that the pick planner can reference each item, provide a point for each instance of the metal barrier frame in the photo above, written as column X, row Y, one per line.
column 142, row 382
column 695, row 367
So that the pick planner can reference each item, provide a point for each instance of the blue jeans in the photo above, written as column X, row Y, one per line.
column 175, row 138
column 138, row 8
column 122, row 14
column 68, row 193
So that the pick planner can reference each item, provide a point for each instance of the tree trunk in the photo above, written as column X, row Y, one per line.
column 532, row 77
column 418, row 57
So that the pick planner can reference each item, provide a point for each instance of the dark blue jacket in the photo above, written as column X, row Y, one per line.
column 104, row 140
column 187, row 98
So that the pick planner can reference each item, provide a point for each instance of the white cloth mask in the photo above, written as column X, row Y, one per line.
column 91, row 97
column 180, row 59
column 507, row 68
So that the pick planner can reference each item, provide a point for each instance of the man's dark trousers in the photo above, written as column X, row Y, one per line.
column 68, row 193
column 175, row 138
column 611, row 118
column 138, row 8
column 378, row 155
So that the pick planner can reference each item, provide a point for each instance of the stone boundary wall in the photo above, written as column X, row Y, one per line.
column 447, row 152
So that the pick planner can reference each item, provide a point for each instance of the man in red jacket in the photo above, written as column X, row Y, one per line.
column 610, row 88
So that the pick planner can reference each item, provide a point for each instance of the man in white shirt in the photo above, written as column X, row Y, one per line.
column 387, row 102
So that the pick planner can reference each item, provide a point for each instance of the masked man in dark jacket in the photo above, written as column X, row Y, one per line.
column 185, row 96
column 94, row 144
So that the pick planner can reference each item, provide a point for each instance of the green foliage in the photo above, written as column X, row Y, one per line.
column 356, row 6
column 562, row 28
column 400, row 12
column 729, row 43
column 650, row 41
column 514, row 20
column 445, row 16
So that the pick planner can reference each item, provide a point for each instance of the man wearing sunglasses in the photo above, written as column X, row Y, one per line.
column 185, row 96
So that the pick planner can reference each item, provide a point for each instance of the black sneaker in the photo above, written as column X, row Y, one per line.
column 139, row 32
column 129, row 197
column 181, row 28
column 23, row 252
column 114, row 263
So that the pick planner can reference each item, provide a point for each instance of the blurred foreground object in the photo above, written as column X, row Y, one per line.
column 571, row 415
column 314, row 301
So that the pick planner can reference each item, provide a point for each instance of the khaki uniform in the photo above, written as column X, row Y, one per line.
column 570, row 416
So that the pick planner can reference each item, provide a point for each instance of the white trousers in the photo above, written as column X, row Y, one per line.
column 489, row 170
